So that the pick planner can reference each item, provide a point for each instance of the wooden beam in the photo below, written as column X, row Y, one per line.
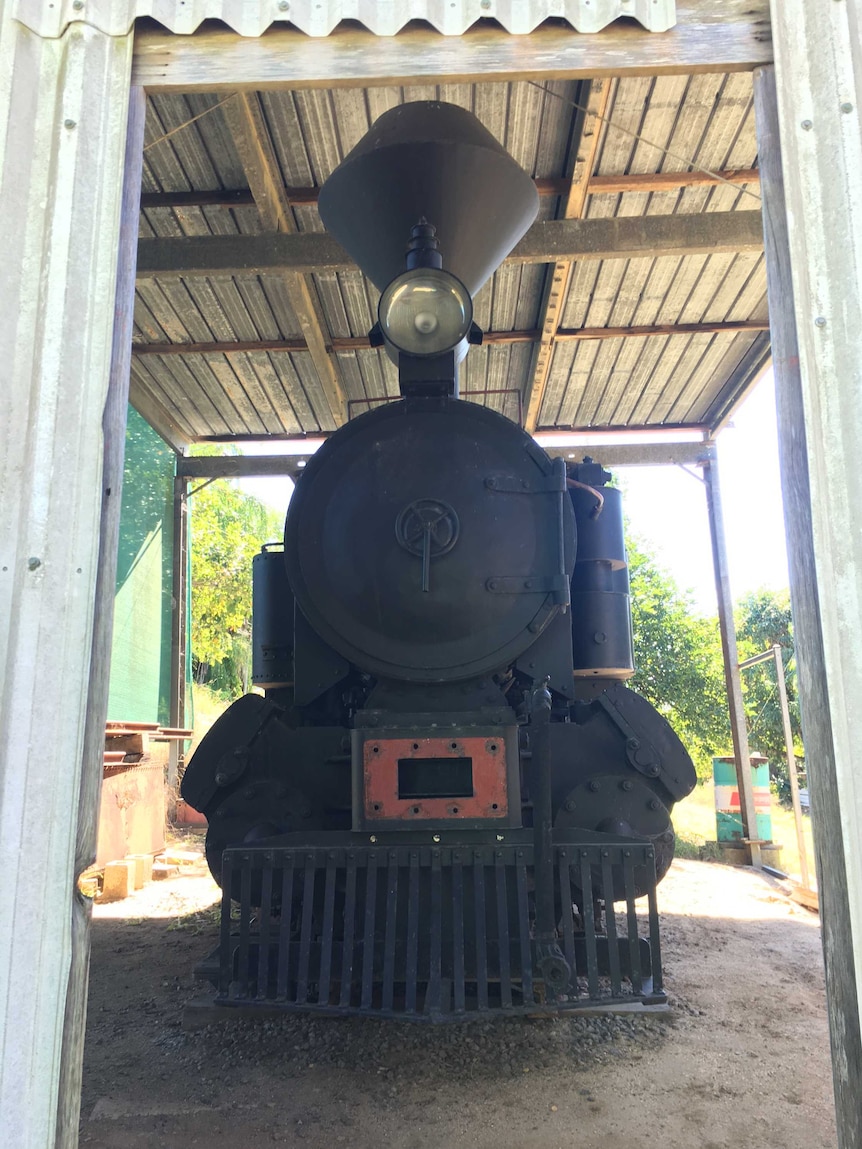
column 636, row 454
column 360, row 342
column 730, row 327
column 240, row 466
column 706, row 233
column 557, row 279
column 813, row 274
column 709, row 36
column 251, row 138
column 599, row 185
column 671, row 181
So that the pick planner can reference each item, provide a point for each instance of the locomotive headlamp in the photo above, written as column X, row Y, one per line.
column 426, row 311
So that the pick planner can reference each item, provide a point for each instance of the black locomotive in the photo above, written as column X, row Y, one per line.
column 446, row 787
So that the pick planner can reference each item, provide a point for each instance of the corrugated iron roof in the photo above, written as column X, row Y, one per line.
column 321, row 17
column 669, row 124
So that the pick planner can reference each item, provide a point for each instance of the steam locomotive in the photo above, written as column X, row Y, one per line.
column 446, row 788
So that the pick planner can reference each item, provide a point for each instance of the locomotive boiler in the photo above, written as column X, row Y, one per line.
column 446, row 789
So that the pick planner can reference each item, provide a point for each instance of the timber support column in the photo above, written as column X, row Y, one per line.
column 179, row 636
column 809, row 134
column 732, row 679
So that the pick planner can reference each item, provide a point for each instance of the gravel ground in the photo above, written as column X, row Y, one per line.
column 741, row 1059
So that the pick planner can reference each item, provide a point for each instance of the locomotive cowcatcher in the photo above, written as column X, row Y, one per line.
column 446, row 802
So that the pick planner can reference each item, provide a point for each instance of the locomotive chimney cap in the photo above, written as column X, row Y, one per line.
column 433, row 161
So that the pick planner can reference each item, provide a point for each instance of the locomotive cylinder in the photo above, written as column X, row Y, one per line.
column 601, row 605
column 272, row 620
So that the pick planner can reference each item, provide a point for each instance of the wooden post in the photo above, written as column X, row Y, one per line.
column 179, row 612
column 791, row 766
column 738, row 728
column 114, row 443
column 805, row 424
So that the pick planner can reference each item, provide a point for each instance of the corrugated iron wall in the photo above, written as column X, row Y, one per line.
column 62, row 137
column 253, row 17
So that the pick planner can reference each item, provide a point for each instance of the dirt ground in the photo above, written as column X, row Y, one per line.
column 742, row 1059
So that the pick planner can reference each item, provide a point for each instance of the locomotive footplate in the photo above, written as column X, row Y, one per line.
column 432, row 927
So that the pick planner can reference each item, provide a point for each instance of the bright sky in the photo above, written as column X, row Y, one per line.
column 666, row 506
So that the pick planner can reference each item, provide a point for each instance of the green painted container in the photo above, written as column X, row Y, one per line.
column 728, row 816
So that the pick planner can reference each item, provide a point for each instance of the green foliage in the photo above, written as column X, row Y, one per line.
column 678, row 660
column 763, row 620
column 227, row 529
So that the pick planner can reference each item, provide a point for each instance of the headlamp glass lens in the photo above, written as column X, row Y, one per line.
column 425, row 312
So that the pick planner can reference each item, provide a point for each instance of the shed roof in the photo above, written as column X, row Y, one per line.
column 617, row 319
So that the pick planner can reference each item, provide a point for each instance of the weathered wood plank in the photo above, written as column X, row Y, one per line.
column 546, row 242
column 591, row 130
column 813, row 278
column 710, row 35
column 360, row 342
column 240, row 466
column 257, row 154
column 647, row 454
column 599, row 185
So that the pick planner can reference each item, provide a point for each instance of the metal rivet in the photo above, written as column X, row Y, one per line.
column 373, row 838
column 33, row 563
column 486, row 4
column 435, row 837
column 807, row 125
column 820, row 321
column 70, row 124
column 499, row 837
column 846, row 109
column 77, row 5
column 283, row 5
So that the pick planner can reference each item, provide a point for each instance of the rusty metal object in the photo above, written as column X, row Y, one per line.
column 383, row 759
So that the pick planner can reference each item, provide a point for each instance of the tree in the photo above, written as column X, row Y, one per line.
column 227, row 529
column 763, row 620
column 678, row 660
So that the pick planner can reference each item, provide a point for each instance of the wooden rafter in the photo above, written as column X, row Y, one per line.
column 559, row 275
column 360, row 343
column 252, row 140
column 599, row 185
